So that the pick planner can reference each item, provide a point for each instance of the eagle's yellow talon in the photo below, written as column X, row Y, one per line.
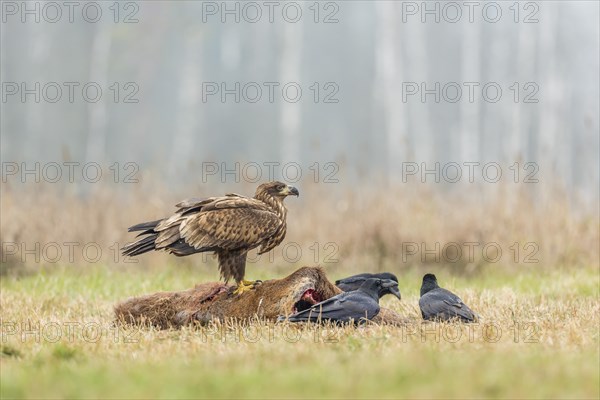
column 245, row 286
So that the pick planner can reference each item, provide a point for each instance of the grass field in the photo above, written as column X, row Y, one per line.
column 538, row 338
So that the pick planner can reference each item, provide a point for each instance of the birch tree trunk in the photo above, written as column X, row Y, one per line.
column 290, row 71
column 419, row 117
column 34, row 119
column 551, row 92
column 521, row 119
column 389, row 84
column 189, row 109
column 470, row 130
column 100, row 52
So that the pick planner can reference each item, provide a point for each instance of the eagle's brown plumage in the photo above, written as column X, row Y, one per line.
column 229, row 226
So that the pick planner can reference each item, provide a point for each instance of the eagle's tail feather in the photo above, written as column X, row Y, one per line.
column 144, row 244
column 141, row 246
column 144, row 226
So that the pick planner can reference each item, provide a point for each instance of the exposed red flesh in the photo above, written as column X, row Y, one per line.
column 310, row 296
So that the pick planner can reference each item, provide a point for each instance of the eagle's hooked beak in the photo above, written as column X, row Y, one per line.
column 290, row 190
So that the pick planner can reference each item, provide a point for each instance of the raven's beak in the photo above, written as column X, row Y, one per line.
column 392, row 287
column 396, row 292
column 290, row 190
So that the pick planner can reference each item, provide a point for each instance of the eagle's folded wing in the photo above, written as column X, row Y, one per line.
column 229, row 228
column 207, row 224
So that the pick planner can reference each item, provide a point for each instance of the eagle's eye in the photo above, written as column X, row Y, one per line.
column 279, row 188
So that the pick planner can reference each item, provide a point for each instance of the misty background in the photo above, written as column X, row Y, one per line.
column 156, row 63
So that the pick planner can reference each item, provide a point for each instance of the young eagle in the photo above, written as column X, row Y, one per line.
column 229, row 226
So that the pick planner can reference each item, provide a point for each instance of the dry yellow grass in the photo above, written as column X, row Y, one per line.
column 377, row 227
column 538, row 337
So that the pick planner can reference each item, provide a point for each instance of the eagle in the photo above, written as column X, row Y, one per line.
column 229, row 226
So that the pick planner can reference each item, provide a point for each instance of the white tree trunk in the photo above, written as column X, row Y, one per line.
column 189, row 109
column 551, row 148
column 389, row 86
column 525, row 72
column 39, row 42
column 290, row 71
column 100, row 52
column 470, row 130
column 421, row 132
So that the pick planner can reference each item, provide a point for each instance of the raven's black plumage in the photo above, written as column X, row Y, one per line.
column 355, row 306
column 353, row 282
column 440, row 304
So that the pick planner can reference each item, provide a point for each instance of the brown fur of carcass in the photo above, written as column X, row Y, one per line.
column 215, row 300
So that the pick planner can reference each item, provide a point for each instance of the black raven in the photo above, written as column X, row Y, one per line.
column 353, row 282
column 354, row 306
column 440, row 304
